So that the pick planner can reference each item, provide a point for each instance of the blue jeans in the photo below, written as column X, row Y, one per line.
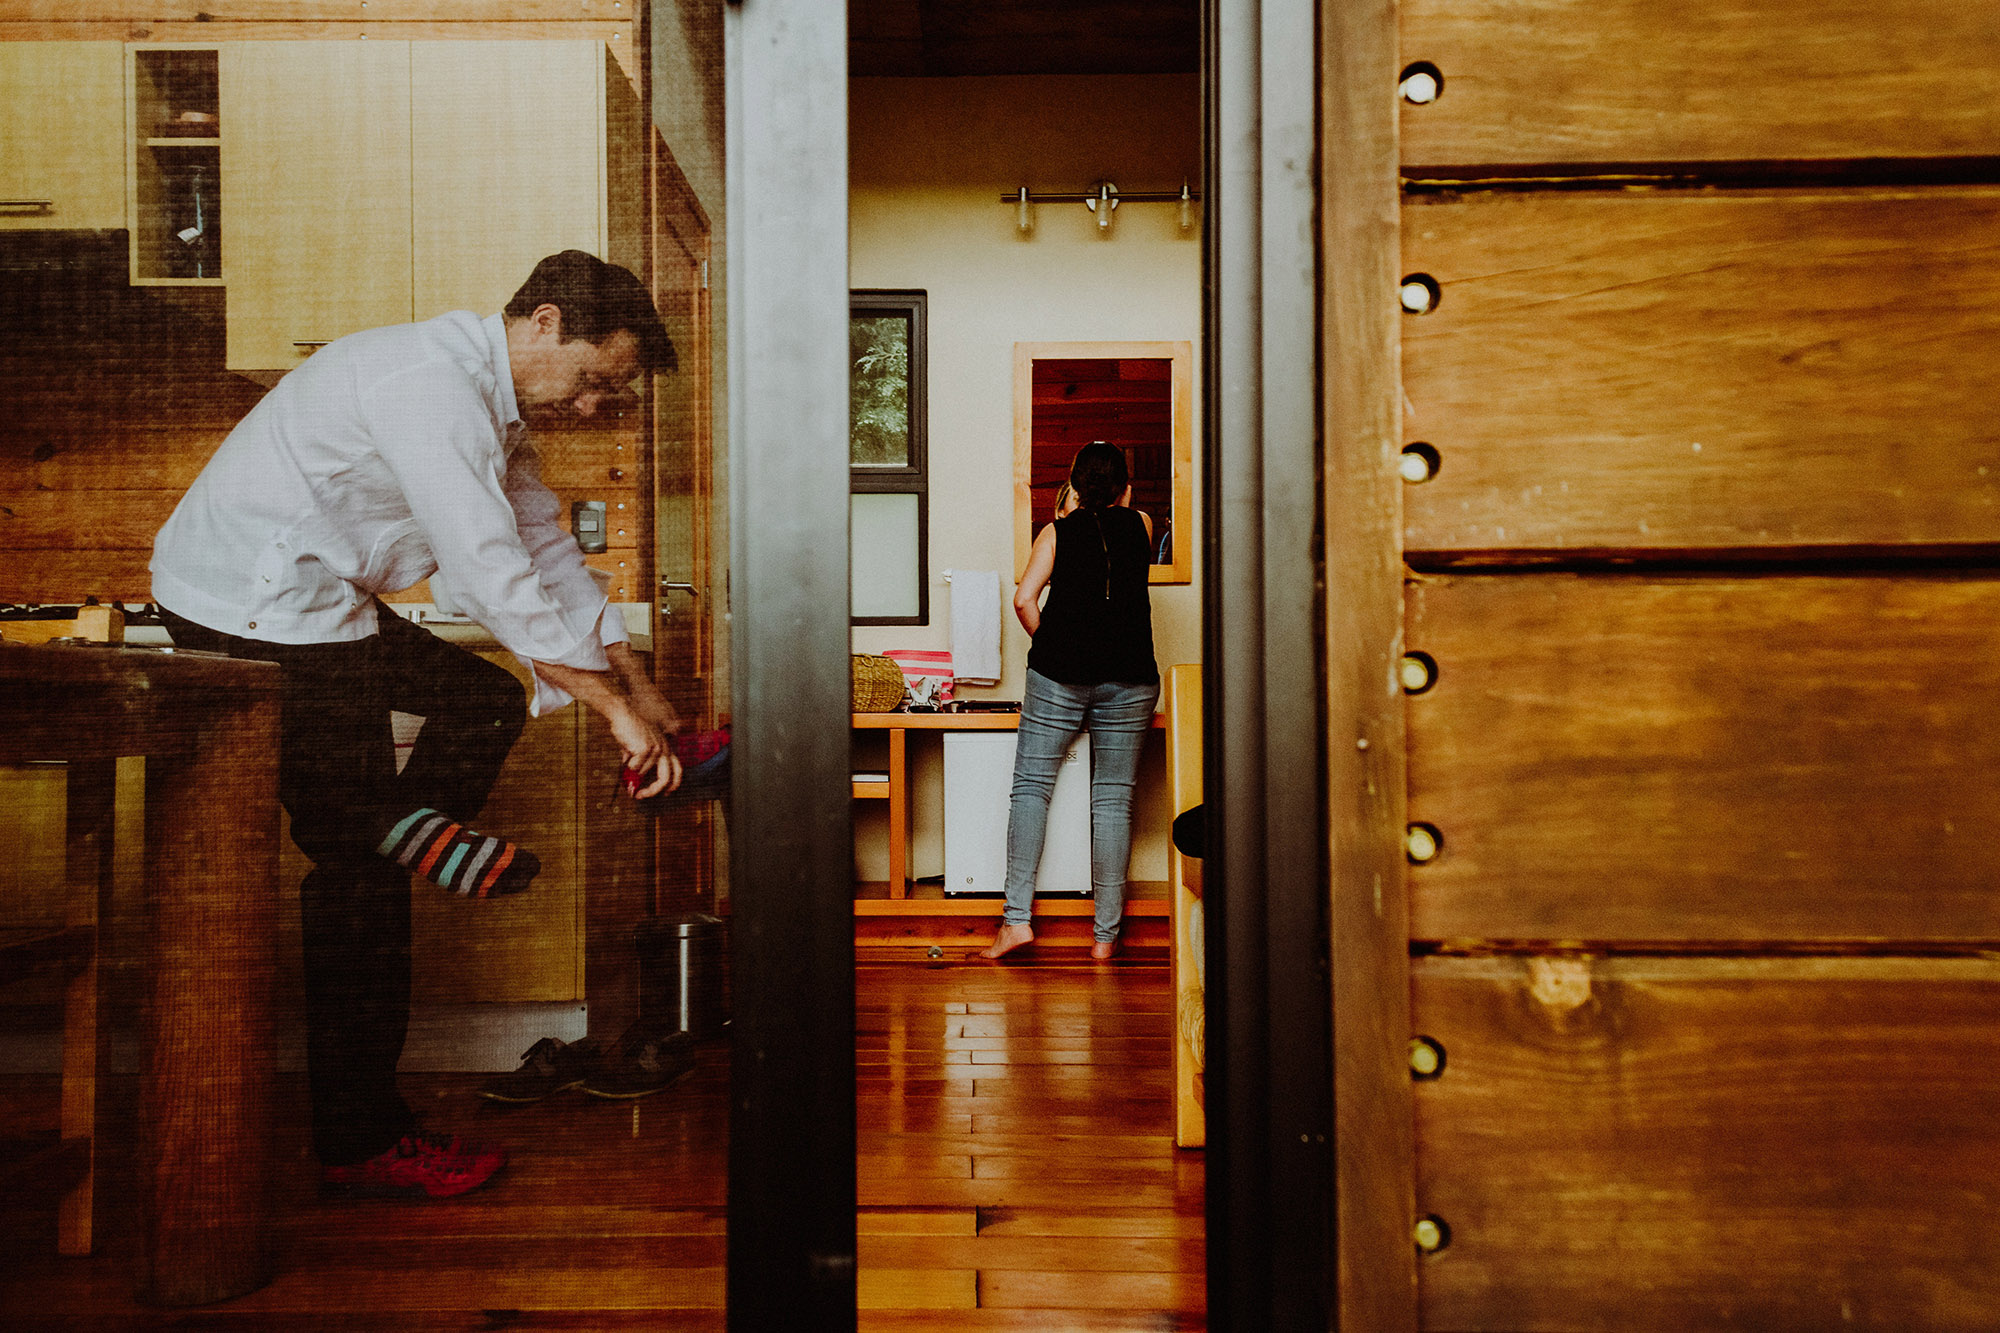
column 1051, row 716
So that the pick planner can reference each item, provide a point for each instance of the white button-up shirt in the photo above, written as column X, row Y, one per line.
column 390, row 455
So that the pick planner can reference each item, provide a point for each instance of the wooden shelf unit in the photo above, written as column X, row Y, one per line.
column 1146, row 904
column 174, row 181
column 899, row 726
column 1143, row 898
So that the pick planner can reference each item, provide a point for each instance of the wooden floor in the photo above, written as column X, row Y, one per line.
column 1017, row 1171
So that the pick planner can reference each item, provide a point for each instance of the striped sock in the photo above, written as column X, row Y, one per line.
column 455, row 857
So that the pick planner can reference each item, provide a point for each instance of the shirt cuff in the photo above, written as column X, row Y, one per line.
column 611, row 626
column 548, row 697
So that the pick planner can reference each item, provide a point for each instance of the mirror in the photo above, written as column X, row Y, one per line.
column 1136, row 395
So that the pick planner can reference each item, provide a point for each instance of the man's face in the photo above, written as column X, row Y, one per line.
column 581, row 375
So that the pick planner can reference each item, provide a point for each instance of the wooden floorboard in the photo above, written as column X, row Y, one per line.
column 1015, row 1160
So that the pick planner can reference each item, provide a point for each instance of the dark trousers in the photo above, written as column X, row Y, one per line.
column 337, row 779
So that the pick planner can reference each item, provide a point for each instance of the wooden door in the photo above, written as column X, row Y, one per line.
column 683, row 508
column 62, row 135
column 1699, row 728
column 316, row 193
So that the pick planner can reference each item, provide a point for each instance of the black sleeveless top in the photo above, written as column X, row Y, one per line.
column 1097, row 624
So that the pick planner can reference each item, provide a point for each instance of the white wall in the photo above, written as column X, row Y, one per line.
column 929, row 160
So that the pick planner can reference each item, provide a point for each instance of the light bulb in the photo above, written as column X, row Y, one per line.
column 1420, row 88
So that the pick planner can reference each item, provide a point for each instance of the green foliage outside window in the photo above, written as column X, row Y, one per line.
column 879, row 349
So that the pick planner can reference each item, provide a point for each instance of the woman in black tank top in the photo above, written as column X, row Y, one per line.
column 1090, row 666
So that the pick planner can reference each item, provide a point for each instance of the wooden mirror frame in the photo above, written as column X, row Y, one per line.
column 1181, row 390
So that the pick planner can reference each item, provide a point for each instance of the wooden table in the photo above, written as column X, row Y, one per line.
column 945, row 913
column 897, row 790
column 208, row 727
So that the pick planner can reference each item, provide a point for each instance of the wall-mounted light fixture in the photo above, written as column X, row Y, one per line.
column 1102, row 199
column 1103, row 203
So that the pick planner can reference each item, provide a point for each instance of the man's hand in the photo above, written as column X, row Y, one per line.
column 645, row 748
column 636, row 725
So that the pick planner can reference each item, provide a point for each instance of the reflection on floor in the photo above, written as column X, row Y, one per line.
column 1017, row 1171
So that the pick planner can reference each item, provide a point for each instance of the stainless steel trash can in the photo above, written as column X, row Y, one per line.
column 683, row 974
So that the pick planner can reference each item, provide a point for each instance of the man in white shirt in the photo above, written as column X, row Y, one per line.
column 390, row 456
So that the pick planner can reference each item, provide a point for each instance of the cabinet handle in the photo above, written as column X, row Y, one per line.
column 41, row 205
column 310, row 343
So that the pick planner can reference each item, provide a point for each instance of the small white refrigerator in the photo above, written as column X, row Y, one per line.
column 979, row 785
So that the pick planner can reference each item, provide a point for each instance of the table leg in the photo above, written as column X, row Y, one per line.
column 91, row 786
column 212, row 879
column 899, row 813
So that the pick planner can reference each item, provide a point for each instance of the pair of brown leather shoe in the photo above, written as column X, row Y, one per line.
column 645, row 1060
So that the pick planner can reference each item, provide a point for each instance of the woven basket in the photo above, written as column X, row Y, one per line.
column 878, row 684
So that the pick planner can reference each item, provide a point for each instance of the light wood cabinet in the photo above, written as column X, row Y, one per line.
column 375, row 183
column 315, row 194
column 521, row 149
column 62, row 135
column 527, row 947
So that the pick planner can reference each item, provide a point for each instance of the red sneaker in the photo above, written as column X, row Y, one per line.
column 426, row 1165
column 451, row 1145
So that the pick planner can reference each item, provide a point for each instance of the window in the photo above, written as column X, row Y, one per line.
column 888, row 478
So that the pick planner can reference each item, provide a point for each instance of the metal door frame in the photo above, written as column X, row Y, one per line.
column 1307, row 935
column 1309, row 1172
column 1269, row 1042
column 792, row 1119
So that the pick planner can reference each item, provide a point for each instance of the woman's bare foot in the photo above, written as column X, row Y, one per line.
column 1103, row 949
column 1008, row 939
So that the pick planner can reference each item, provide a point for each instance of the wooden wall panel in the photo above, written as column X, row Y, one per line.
column 82, row 520
column 1644, row 1144
column 1735, row 760
column 1549, row 81
column 1669, row 369
column 109, row 457
column 1354, row 544
column 69, row 576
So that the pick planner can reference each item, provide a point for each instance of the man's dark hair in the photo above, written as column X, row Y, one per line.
column 596, row 299
column 1099, row 474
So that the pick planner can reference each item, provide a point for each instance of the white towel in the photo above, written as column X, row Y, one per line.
column 975, row 625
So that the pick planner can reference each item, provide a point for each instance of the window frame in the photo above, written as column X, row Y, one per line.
column 912, row 478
